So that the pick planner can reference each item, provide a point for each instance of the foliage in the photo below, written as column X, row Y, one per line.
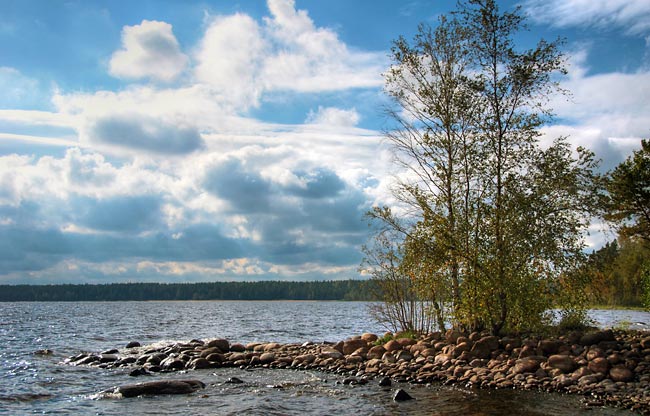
column 403, row 307
column 629, row 190
column 269, row 290
column 616, row 273
column 490, row 223
column 645, row 279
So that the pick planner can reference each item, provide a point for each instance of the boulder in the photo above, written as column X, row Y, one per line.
column 564, row 363
column 200, row 363
column 597, row 337
column 620, row 373
column 452, row 335
column 133, row 344
column 220, row 343
column 352, row 345
column 369, row 337
column 160, row 387
column 267, row 358
column 528, row 364
column 549, row 346
column 599, row 365
column 405, row 342
column 483, row 347
column 392, row 345
column 237, row 348
column 376, row 352
column 645, row 343
column 234, row 380
column 400, row 396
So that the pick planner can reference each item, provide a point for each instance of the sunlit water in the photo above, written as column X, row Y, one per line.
column 34, row 384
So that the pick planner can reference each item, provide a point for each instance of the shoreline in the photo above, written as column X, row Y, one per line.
column 610, row 366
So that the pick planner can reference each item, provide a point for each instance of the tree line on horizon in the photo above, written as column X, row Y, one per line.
column 488, row 231
column 343, row 290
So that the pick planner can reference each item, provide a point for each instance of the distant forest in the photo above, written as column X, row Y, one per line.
column 267, row 290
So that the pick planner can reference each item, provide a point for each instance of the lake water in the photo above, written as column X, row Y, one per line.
column 34, row 384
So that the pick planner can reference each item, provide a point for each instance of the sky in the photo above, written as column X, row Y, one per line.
column 182, row 141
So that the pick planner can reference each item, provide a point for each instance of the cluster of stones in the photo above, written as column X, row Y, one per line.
column 611, row 367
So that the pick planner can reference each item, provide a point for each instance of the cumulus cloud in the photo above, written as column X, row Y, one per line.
column 633, row 16
column 332, row 116
column 229, row 58
column 243, row 59
column 241, row 197
column 608, row 113
column 142, row 132
column 149, row 50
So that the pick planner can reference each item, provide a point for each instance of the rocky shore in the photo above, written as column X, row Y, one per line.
column 608, row 367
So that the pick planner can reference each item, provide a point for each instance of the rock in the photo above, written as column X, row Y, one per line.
column 564, row 380
column 237, row 348
column 107, row 358
column 331, row 353
column 267, row 358
column 161, row 387
column 620, row 373
column 549, row 347
column 352, row 345
column 215, row 357
column 201, row 363
column 403, row 356
column 645, row 343
column 385, row 382
column 562, row 362
column 369, row 337
column 594, row 352
column 113, row 351
column 172, row 363
column 44, row 352
column 351, row 381
column 234, row 380
column 405, row 342
column 400, row 396
column 139, row 372
column 392, row 345
column 587, row 380
column 596, row 337
column 484, row 346
column 528, row 364
column 375, row 352
column 452, row 335
column 599, row 365
column 271, row 346
column 220, row 343
column 133, row 344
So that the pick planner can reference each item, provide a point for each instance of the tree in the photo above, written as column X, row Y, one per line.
column 629, row 191
column 491, row 214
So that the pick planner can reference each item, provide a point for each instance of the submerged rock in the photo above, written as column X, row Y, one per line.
column 401, row 395
column 160, row 387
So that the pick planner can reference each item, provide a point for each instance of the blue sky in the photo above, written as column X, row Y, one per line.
column 218, row 140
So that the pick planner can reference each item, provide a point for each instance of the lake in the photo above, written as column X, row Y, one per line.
column 31, row 383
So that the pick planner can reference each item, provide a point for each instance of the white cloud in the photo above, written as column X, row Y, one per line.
column 149, row 50
column 314, row 59
column 331, row 116
column 608, row 113
column 229, row 56
column 242, row 60
column 631, row 15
